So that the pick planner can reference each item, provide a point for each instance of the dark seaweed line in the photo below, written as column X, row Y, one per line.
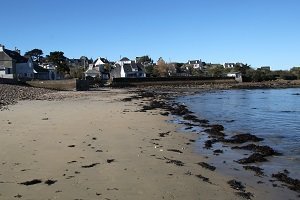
column 163, row 101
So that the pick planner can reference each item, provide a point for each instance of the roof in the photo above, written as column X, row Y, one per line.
column 92, row 71
column 116, row 70
column 194, row 61
column 103, row 60
column 127, row 68
column 124, row 59
column 134, row 65
column 16, row 56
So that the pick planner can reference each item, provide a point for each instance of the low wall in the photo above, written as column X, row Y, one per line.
column 129, row 82
column 8, row 81
column 69, row 84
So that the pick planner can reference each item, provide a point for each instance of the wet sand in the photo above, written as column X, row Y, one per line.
column 93, row 145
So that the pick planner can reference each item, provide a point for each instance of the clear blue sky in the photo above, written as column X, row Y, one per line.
column 257, row 32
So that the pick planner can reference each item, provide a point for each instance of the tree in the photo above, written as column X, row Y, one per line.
column 77, row 72
column 58, row 58
column 161, row 68
column 149, row 70
column 296, row 71
column 216, row 70
column 35, row 54
column 107, row 67
column 144, row 59
column 243, row 68
column 84, row 61
column 179, row 67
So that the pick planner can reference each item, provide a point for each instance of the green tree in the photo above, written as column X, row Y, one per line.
column 77, row 72
column 35, row 54
column 58, row 58
column 296, row 71
column 107, row 67
column 216, row 70
column 144, row 59
column 149, row 69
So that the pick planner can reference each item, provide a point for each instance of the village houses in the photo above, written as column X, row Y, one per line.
column 99, row 69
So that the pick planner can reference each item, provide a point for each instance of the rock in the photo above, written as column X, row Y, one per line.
column 256, row 157
column 205, row 179
column 264, row 150
column 207, row 166
column 165, row 113
column 257, row 170
column 217, row 127
column 242, row 138
column 245, row 195
column 91, row 165
column 10, row 94
column 32, row 182
column 208, row 143
column 217, row 151
column 237, row 185
column 190, row 117
column 176, row 162
column 50, row 182
column 164, row 134
column 110, row 160
column 175, row 150
column 293, row 184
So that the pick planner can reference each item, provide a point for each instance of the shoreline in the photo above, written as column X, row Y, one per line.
column 167, row 152
column 214, row 135
column 98, row 145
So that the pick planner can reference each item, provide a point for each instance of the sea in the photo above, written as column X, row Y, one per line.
column 273, row 114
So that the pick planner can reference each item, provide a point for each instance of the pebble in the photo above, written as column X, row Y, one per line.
column 10, row 94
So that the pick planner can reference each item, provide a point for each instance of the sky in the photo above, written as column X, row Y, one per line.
column 256, row 32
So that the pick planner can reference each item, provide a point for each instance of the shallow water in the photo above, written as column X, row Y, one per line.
column 273, row 114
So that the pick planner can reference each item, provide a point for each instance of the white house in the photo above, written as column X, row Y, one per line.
column 13, row 65
column 126, row 68
column 100, row 68
column 91, row 72
column 197, row 64
column 236, row 75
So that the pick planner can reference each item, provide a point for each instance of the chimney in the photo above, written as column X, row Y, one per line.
column 17, row 50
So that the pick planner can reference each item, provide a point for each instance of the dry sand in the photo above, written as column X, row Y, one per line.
column 92, row 145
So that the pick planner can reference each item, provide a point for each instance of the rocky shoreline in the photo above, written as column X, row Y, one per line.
column 11, row 94
column 163, row 100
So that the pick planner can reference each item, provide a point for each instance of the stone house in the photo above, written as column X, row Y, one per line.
column 15, row 66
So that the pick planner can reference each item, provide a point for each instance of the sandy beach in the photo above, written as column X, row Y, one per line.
column 93, row 145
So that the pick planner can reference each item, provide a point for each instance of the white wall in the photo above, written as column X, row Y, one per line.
column 10, row 76
column 99, row 62
column 123, row 75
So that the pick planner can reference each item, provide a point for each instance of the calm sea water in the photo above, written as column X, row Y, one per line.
column 273, row 114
